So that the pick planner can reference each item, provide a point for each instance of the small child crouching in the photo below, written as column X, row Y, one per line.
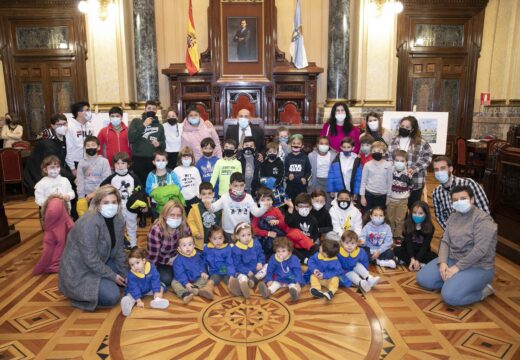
column 325, row 270
column 283, row 270
column 189, row 272
column 143, row 279
column 354, row 262
column 218, row 257
column 248, row 258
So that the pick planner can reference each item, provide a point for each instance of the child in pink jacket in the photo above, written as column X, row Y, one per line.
column 194, row 130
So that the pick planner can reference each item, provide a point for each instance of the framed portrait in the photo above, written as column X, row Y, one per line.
column 242, row 39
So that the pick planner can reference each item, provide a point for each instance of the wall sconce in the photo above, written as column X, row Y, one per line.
column 100, row 7
column 380, row 7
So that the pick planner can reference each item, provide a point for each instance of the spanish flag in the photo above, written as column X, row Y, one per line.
column 192, row 51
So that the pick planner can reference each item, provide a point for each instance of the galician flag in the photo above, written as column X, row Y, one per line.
column 297, row 49
column 192, row 51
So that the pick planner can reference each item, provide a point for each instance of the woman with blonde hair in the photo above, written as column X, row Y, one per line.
column 93, row 265
column 163, row 239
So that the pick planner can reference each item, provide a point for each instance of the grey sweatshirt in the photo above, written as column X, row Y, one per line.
column 91, row 172
column 471, row 239
column 377, row 177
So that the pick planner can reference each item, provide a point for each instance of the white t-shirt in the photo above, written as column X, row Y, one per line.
column 323, row 165
column 189, row 177
column 404, row 143
column 235, row 212
column 173, row 134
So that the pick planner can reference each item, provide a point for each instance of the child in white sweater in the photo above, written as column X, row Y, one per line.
column 52, row 183
column 189, row 176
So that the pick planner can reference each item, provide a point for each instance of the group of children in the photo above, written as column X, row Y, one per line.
column 256, row 218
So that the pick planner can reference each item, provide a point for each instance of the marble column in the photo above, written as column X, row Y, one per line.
column 338, row 53
column 145, row 44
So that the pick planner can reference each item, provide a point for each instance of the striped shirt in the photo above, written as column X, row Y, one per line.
column 442, row 204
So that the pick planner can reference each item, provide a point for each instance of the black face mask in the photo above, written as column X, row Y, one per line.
column 404, row 132
column 377, row 156
column 8, row 121
column 150, row 114
column 229, row 153
column 272, row 156
column 249, row 151
column 343, row 204
column 172, row 121
column 207, row 154
column 91, row 152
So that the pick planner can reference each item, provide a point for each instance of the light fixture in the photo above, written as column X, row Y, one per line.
column 103, row 8
column 380, row 7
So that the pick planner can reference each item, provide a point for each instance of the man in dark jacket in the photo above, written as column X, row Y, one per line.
column 244, row 129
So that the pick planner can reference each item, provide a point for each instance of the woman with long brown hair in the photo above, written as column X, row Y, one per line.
column 374, row 128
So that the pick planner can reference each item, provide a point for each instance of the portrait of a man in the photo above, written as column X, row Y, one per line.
column 242, row 39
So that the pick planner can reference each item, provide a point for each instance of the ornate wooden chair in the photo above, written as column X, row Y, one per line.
column 466, row 163
column 11, row 170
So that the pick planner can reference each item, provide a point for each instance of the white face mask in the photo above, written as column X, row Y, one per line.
column 53, row 172
column 323, row 148
column 109, row 210
column 61, row 130
column 122, row 172
column 160, row 165
column 186, row 162
column 399, row 165
column 173, row 223
column 340, row 118
column 373, row 125
column 304, row 211
column 88, row 116
column 115, row 121
column 243, row 122
column 317, row 206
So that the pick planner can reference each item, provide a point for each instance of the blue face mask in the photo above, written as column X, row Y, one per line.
column 378, row 220
column 347, row 153
column 462, row 206
column 442, row 176
column 418, row 219
column 243, row 122
column 284, row 140
column 194, row 121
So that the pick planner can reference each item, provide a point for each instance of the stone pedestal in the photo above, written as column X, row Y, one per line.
column 147, row 81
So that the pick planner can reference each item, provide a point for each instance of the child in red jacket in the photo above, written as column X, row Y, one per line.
column 272, row 225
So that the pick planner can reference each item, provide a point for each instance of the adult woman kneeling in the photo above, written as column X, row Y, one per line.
column 466, row 263
column 93, row 263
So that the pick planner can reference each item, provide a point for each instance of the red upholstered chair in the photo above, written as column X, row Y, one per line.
column 290, row 114
column 22, row 145
column 242, row 101
column 466, row 164
column 202, row 111
column 11, row 172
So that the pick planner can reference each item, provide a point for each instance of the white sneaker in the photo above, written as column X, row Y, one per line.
column 159, row 303
column 386, row 263
column 487, row 291
column 365, row 286
column 262, row 273
column 373, row 280
column 127, row 303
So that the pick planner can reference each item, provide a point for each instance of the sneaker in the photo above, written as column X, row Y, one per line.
column 234, row 287
column 264, row 290
column 244, row 288
column 487, row 291
column 128, row 245
column 386, row 263
column 262, row 273
column 195, row 290
column 328, row 295
column 127, row 303
column 365, row 286
column 187, row 297
column 316, row 293
column 251, row 283
column 159, row 303
column 294, row 293
column 142, row 221
column 373, row 280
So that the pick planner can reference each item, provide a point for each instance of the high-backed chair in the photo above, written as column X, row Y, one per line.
column 22, row 145
column 11, row 172
column 254, row 121
column 466, row 164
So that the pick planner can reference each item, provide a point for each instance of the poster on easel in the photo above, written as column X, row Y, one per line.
column 433, row 126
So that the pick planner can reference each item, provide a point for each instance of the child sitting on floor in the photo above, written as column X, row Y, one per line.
column 283, row 270
column 324, row 270
column 320, row 212
column 200, row 219
column 248, row 258
column 376, row 237
column 219, row 259
column 143, row 279
column 354, row 262
column 190, row 277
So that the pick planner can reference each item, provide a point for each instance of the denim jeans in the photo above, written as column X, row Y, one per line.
column 108, row 292
column 463, row 288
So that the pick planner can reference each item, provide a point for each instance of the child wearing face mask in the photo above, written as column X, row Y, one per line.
column 207, row 162
column 283, row 271
column 92, row 170
column 190, row 276
column 272, row 174
column 225, row 167
column 126, row 182
column 401, row 187
column 173, row 136
column 320, row 212
column 282, row 137
column 418, row 234
column 345, row 171
column 344, row 215
column 200, row 219
column 376, row 181
column 162, row 184
column 188, row 176
column 52, row 183
column 297, row 168
column 366, row 142
column 376, row 238
column 321, row 159
column 114, row 137
column 250, row 165
column 303, row 220
column 236, row 205
column 374, row 128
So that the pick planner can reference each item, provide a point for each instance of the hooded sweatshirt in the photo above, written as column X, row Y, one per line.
column 342, row 220
column 112, row 142
column 140, row 137
column 75, row 137
column 91, row 173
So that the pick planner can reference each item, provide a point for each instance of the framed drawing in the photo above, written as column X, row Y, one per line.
column 433, row 125
column 242, row 39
